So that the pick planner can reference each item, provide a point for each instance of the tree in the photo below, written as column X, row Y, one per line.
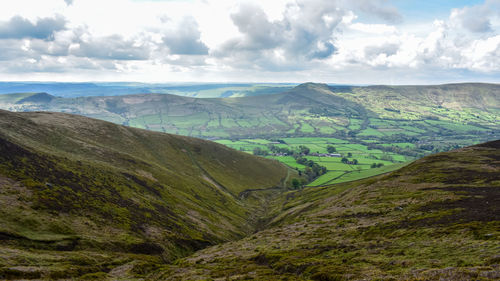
column 386, row 157
column 295, row 183
column 344, row 160
column 349, row 154
column 331, row 149
column 355, row 161
column 304, row 149
column 301, row 160
column 260, row 151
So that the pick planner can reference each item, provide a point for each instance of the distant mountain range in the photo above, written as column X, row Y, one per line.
column 85, row 89
column 429, row 114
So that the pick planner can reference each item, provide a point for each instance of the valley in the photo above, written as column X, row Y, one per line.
column 291, row 140
column 389, row 125
column 435, row 218
column 314, row 183
column 87, row 199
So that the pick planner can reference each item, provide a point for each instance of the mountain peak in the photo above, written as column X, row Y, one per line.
column 37, row 98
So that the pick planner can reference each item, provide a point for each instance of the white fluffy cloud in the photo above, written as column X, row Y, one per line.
column 224, row 40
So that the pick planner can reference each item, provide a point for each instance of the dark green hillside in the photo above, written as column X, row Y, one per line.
column 81, row 196
column 435, row 219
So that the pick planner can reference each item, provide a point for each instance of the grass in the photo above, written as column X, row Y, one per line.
column 360, row 152
column 365, row 173
column 326, row 178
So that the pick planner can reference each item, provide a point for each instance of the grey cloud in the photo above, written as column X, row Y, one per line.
column 310, row 31
column 475, row 19
column 258, row 30
column 304, row 33
column 372, row 52
column 68, row 2
column 478, row 18
column 19, row 27
column 185, row 40
column 379, row 8
column 113, row 47
column 53, row 48
column 475, row 24
column 327, row 50
column 11, row 49
column 49, row 64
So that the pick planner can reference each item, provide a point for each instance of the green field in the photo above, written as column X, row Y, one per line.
column 337, row 171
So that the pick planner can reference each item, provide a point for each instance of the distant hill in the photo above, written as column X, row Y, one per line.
column 80, row 195
column 86, row 89
column 435, row 219
column 449, row 115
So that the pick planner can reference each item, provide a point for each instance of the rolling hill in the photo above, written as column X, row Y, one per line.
column 435, row 219
column 386, row 113
column 80, row 195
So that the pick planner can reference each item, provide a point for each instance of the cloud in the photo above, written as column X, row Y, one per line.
column 482, row 55
column 305, row 32
column 373, row 28
column 477, row 18
column 378, row 8
column 112, row 47
column 387, row 49
column 247, row 40
column 185, row 39
column 44, row 28
column 258, row 31
column 11, row 49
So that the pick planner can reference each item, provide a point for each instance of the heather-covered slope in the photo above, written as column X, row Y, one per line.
column 435, row 219
column 80, row 195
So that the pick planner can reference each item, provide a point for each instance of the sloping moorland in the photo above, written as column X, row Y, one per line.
column 435, row 219
column 80, row 196
column 84, row 199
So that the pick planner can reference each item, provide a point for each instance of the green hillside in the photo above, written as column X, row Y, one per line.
column 81, row 196
column 435, row 219
column 385, row 113
column 385, row 125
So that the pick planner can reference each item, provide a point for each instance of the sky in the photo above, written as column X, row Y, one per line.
column 329, row 41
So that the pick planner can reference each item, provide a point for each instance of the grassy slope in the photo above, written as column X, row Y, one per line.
column 435, row 219
column 459, row 103
column 107, row 195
